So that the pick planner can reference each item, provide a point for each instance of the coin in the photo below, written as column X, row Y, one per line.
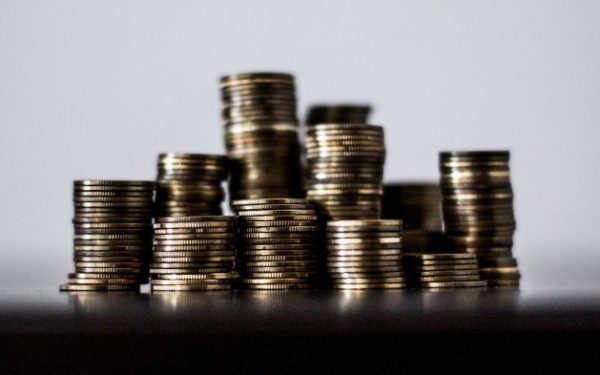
column 201, row 253
column 193, row 276
column 113, row 282
column 188, row 270
column 188, row 288
column 370, row 286
column 454, row 284
column 68, row 287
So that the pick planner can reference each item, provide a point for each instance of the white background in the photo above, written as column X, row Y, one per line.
column 95, row 89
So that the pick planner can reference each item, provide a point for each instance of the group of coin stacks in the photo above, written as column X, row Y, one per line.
column 193, row 253
column 345, row 170
column 261, row 135
column 477, row 204
column 113, row 235
column 278, row 243
column 442, row 270
column 338, row 114
column 190, row 184
column 419, row 207
column 365, row 254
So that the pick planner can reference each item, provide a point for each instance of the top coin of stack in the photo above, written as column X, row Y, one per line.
column 477, row 202
column 190, row 184
column 113, row 234
column 338, row 114
column 419, row 207
column 261, row 135
column 345, row 169
column 365, row 254
column 278, row 243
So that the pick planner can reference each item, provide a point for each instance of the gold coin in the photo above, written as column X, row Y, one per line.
column 370, row 286
column 68, row 287
column 454, row 284
column 188, row 288
column 174, row 271
column 207, row 276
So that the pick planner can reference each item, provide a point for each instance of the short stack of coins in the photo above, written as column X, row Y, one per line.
column 261, row 135
column 193, row 253
column 338, row 114
column 418, row 205
column 477, row 204
column 365, row 254
column 278, row 243
column 113, row 235
column 190, row 184
column 442, row 271
column 345, row 170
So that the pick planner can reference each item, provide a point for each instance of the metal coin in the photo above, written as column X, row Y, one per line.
column 454, row 284
column 68, row 287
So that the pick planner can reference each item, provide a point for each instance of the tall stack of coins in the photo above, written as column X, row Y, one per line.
column 345, row 170
column 477, row 202
column 365, row 254
column 338, row 114
column 190, row 184
column 278, row 243
column 419, row 207
column 261, row 135
column 113, row 235
column 193, row 253
column 442, row 271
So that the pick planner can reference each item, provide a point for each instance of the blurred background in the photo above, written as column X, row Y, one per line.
column 96, row 89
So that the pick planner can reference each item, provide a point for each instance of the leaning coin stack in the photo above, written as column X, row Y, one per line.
column 193, row 253
column 419, row 207
column 365, row 254
column 190, row 184
column 338, row 114
column 477, row 203
column 345, row 170
column 442, row 271
column 278, row 243
column 113, row 235
column 261, row 135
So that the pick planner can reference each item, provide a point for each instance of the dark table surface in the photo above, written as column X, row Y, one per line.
column 324, row 330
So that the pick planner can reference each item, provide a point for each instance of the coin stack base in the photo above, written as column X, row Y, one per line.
column 113, row 235
column 442, row 271
column 278, row 243
column 477, row 201
column 190, row 184
column 345, row 170
column 261, row 135
column 365, row 254
column 193, row 253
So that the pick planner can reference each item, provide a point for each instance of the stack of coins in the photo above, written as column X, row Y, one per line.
column 193, row 253
column 338, row 114
column 365, row 254
column 278, row 243
column 419, row 207
column 261, row 135
column 441, row 271
column 477, row 203
column 345, row 170
column 190, row 184
column 113, row 235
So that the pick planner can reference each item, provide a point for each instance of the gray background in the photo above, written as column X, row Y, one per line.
column 95, row 89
